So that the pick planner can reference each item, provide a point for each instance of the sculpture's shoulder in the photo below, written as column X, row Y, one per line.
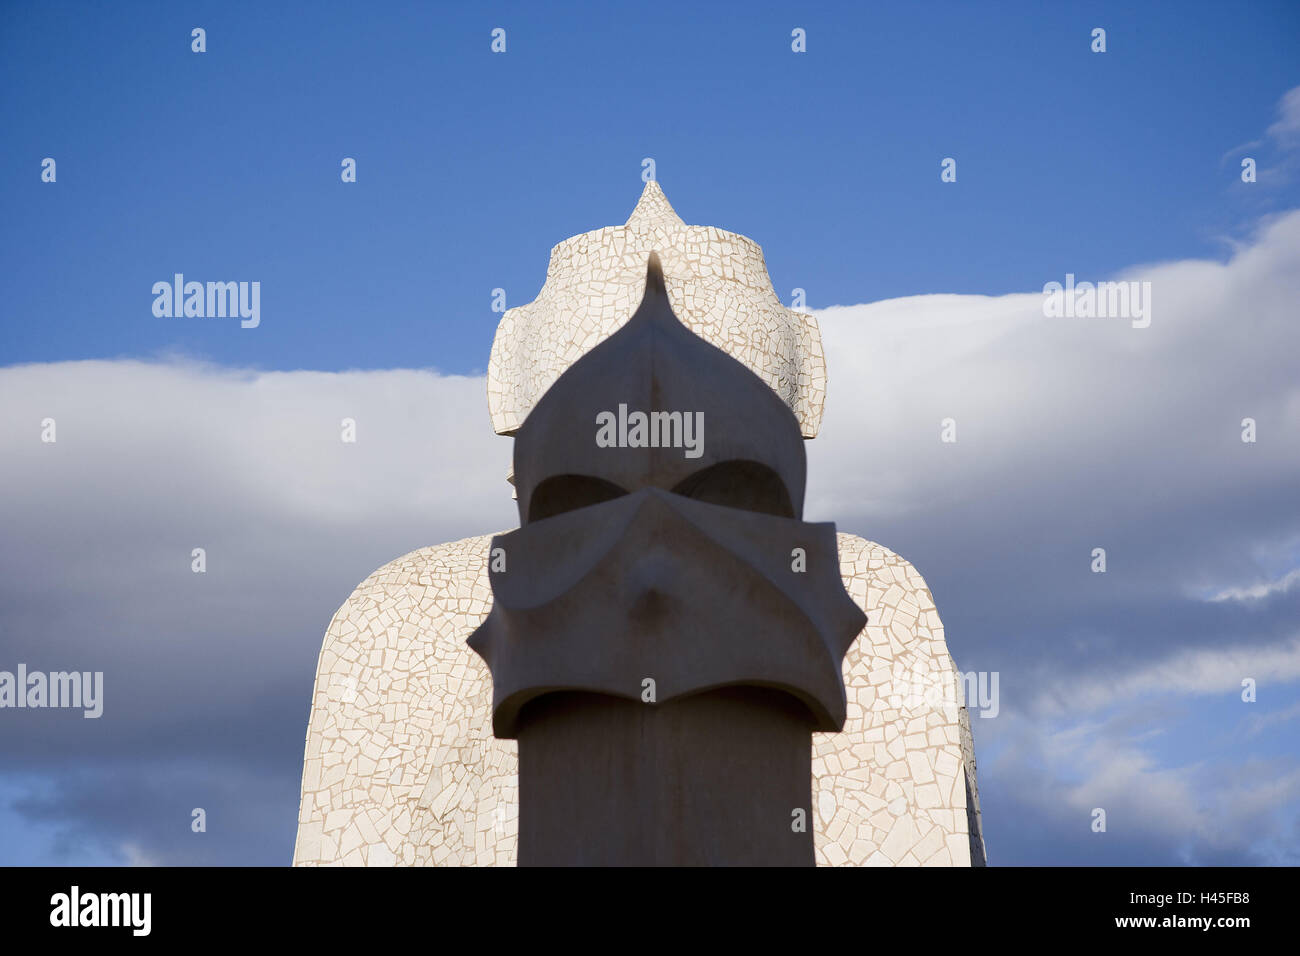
column 437, row 568
column 441, row 581
column 902, row 619
column 891, row 787
column 423, row 602
column 398, row 706
column 900, row 661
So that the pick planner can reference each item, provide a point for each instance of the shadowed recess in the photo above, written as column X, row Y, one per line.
column 749, row 485
column 561, row 493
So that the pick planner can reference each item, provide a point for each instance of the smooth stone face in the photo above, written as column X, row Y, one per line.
column 653, row 584
column 708, row 780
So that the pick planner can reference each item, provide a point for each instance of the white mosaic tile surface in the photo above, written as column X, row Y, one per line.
column 401, row 766
column 718, row 286
column 890, row 790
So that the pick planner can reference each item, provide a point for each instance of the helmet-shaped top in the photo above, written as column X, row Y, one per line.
column 718, row 286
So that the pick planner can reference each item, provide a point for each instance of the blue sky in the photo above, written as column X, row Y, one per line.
column 1120, row 689
column 471, row 165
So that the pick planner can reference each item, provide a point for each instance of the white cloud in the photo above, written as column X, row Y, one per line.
column 1262, row 589
column 1190, row 813
column 1282, row 136
column 1287, row 126
column 1090, row 424
column 154, row 460
column 1190, row 672
column 177, row 435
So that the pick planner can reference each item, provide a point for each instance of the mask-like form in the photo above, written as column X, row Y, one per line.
column 675, row 553
column 662, row 559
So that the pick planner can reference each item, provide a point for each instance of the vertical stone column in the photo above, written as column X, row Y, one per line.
column 714, row 779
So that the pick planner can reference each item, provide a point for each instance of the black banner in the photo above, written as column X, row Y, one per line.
column 379, row 907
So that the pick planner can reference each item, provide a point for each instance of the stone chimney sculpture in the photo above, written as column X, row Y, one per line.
column 680, row 666
column 666, row 633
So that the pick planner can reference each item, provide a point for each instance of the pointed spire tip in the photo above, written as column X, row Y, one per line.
column 653, row 208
